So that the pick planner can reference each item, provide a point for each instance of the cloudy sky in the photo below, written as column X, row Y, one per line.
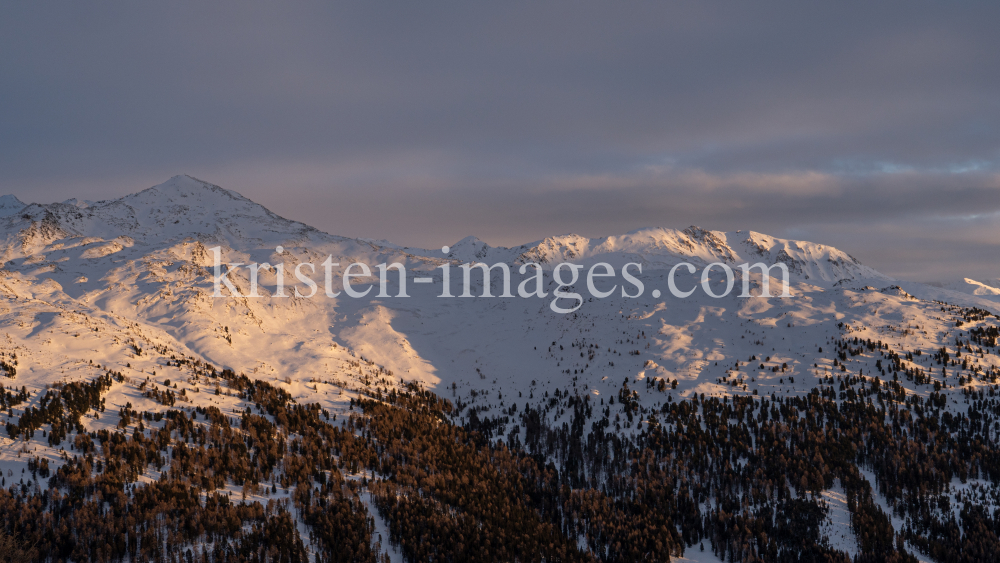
column 871, row 126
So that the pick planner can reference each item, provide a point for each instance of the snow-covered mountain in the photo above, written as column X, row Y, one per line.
column 144, row 259
column 10, row 205
column 187, row 208
column 180, row 207
column 126, row 284
column 985, row 288
column 658, row 248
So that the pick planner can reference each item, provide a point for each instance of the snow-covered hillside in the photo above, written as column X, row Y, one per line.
column 144, row 259
column 658, row 248
column 141, row 263
column 987, row 288
column 126, row 285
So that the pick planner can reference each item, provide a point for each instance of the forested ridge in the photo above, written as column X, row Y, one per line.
column 739, row 475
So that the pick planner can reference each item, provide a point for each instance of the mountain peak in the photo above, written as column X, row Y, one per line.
column 81, row 203
column 9, row 205
column 181, row 207
column 184, row 185
column 182, row 179
column 470, row 249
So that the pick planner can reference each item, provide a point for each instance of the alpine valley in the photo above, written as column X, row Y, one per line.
column 146, row 420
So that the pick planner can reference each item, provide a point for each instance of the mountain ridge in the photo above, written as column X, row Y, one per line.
column 224, row 214
column 322, row 403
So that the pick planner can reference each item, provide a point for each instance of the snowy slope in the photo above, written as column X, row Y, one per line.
column 986, row 288
column 83, row 284
column 145, row 258
column 10, row 205
column 657, row 248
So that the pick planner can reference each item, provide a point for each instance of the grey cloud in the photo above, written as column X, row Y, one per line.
column 424, row 122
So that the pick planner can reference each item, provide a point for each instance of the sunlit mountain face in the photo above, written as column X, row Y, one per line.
column 189, row 376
